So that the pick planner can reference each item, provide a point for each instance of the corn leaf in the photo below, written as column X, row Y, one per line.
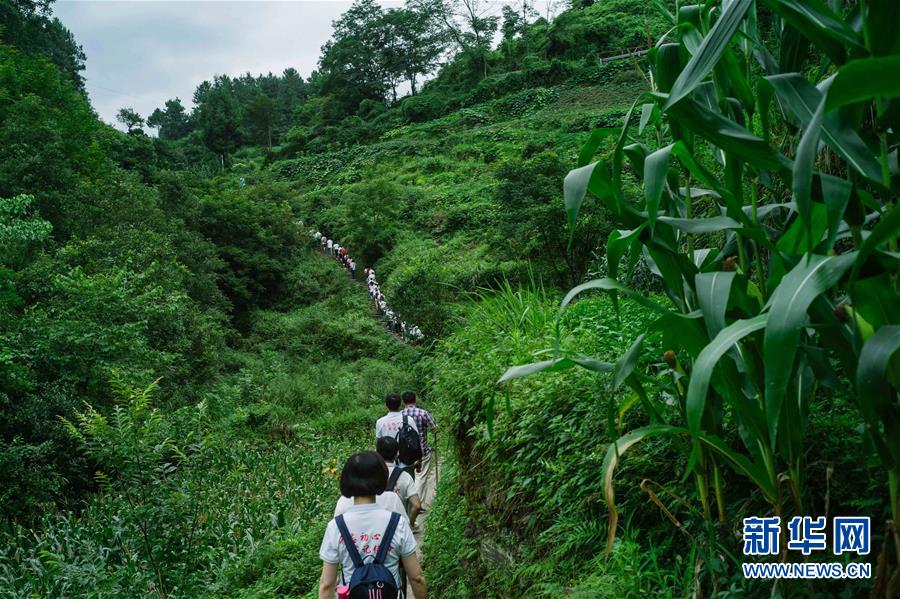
column 706, row 362
column 555, row 365
column 802, row 99
column 713, row 291
column 827, row 31
column 877, row 397
column 656, row 167
column 861, row 80
column 608, row 284
column 615, row 450
column 710, row 51
column 787, row 314
column 803, row 170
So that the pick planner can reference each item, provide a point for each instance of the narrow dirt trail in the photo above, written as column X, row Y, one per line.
column 422, row 520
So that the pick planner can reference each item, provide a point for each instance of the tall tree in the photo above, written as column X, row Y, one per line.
column 131, row 120
column 260, row 117
column 219, row 117
column 417, row 40
column 352, row 66
column 472, row 25
column 172, row 123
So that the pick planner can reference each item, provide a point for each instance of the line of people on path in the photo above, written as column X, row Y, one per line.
column 369, row 549
column 392, row 321
column 394, row 324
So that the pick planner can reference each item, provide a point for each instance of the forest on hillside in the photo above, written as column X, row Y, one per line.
column 652, row 245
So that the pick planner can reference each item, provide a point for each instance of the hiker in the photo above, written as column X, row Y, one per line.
column 352, row 268
column 426, row 479
column 399, row 481
column 391, row 423
column 330, row 245
column 403, row 429
column 364, row 532
column 344, row 252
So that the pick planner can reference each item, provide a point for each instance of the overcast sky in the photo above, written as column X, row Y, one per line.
column 141, row 53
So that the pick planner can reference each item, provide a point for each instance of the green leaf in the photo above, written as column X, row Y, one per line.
column 625, row 365
column 828, row 31
column 877, row 398
column 647, row 111
column 714, row 44
column 706, row 362
column 787, row 315
column 800, row 97
column 804, row 163
column 555, row 365
column 888, row 228
column 610, row 285
column 726, row 135
column 743, row 465
column 590, row 147
column 876, row 301
column 615, row 450
column 656, row 167
column 713, row 291
column 697, row 226
column 836, row 194
column 576, row 185
column 861, row 80
column 617, row 245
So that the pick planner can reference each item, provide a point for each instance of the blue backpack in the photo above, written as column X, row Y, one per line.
column 372, row 580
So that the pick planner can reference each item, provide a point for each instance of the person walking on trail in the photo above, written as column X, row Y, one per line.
column 330, row 245
column 399, row 481
column 366, row 542
column 426, row 472
column 352, row 268
column 403, row 429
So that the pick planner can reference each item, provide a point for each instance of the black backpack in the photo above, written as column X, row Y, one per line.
column 408, row 440
column 395, row 476
column 372, row 580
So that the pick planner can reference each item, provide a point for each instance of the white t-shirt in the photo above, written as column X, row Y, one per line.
column 387, row 500
column 330, row 243
column 405, row 487
column 367, row 524
column 391, row 423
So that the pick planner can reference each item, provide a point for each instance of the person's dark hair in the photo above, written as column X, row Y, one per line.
column 392, row 401
column 365, row 474
column 387, row 448
column 409, row 397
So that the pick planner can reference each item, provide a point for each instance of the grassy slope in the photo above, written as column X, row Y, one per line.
column 446, row 235
column 301, row 395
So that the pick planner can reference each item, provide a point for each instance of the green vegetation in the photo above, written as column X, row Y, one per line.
column 182, row 374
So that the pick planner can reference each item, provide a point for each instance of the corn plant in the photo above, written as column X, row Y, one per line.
column 767, row 152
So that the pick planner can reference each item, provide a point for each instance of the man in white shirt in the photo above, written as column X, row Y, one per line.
column 400, row 483
column 330, row 245
column 390, row 424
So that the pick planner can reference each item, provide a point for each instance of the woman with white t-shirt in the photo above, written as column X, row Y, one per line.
column 365, row 476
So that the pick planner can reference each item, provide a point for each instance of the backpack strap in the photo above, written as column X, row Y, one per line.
column 348, row 542
column 395, row 476
column 387, row 538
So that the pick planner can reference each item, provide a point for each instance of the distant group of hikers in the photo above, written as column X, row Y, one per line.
column 369, row 550
column 392, row 321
